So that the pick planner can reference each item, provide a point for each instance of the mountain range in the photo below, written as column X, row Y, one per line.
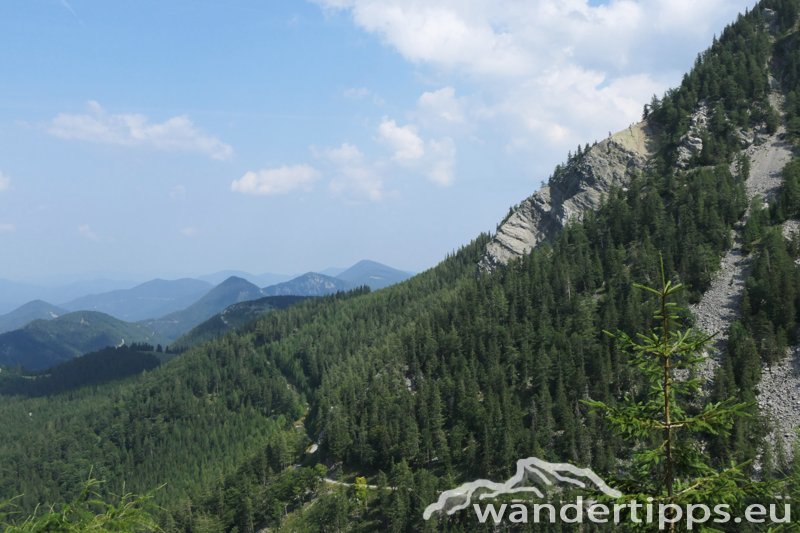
column 309, row 284
column 179, row 305
column 13, row 293
column 232, row 290
column 147, row 300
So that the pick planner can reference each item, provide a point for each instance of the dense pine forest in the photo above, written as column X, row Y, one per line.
column 456, row 373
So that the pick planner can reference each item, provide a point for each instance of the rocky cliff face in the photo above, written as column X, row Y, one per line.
column 573, row 190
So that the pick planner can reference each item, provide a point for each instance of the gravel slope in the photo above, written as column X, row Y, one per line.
column 779, row 391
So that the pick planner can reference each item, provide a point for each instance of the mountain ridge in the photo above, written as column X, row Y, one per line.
column 372, row 274
column 232, row 290
column 308, row 284
column 150, row 299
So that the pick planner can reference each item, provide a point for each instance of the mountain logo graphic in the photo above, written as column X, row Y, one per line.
column 531, row 476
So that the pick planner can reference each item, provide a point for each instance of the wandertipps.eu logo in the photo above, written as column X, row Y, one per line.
column 553, row 484
column 533, row 476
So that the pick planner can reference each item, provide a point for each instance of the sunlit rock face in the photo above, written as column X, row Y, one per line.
column 573, row 190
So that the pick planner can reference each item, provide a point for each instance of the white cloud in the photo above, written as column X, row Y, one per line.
column 87, row 232
column 489, row 38
column 358, row 177
column 345, row 154
column 442, row 166
column 441, row 104
column 274, row 181
column 403, row 140
column 435, row 158
column 7, row 228
column 355, row 178
column 189, row 231
column 555, row 72
column 130, row 129
column 5, row 182
column 433, row 32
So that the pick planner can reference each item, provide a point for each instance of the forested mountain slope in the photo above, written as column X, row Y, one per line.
column 45, row 343
column 456, row 373
column 233, row 317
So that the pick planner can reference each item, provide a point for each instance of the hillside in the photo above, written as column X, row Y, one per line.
column 372, row 274
column 491, row 356
column 152, row 299
column 35, row 310
column 45, row 343
column 234, row 317
column 91, row 369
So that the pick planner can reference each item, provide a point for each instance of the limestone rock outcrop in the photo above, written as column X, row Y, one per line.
column 573, row 190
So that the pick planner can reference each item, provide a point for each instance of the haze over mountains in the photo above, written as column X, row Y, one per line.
column 13, row 293
column 153, row 298
column 232, row 290
column 128, row 300
column 262, row 280
column 309, row 284
column 37, row 334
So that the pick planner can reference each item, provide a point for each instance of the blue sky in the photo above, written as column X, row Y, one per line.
column 151, row 138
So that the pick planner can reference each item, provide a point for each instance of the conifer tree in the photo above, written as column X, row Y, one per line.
column 663, row 421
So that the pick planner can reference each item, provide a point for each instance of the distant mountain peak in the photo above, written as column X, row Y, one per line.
column 373, row 274
column 232, row 290
column 308, row 284
column 26, row 313
column 233, row 283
